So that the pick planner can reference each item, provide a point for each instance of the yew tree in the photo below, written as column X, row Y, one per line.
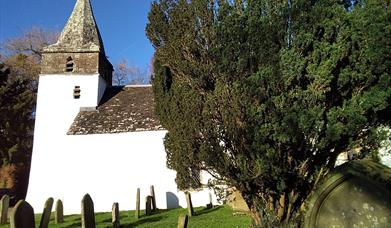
column 16, row 118
column 265, row 95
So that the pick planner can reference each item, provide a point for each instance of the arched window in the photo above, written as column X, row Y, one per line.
column 69, row 66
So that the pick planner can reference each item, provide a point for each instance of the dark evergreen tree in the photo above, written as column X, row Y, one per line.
column 16, row 118
column 266, row 94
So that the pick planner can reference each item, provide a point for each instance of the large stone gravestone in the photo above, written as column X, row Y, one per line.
column 59, row 213
column 115, row 216
column 87, row 212
column 22, row 216
column 356, row 195
column 4, row 204
column 237, row 202
column 47, row 210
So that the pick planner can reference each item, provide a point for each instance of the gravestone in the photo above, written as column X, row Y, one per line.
column 236, row 202
column 115, row 216
column 87, row 212
column 189, row 204
column 357, row 194
column 47, row 210
column 22, row 216
column 59, row 213
column 153, row 198
column 137, row 212
column 4, row 205
column 182, row 221
column 210, row 204
column 148, row 205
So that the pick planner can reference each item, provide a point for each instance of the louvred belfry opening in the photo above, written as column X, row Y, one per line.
column 80, row 44
column 69, row 65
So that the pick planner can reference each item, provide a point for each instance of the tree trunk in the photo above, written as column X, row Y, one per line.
column 257, row 222
column 269, row 211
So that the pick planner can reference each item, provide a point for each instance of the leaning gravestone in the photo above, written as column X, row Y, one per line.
column 356, row 195
column 87, row 212
column 115, row 216
column 22, row 216
column 152, row 189
column 59, row 213
column 4, row 205
column 189, row 204
column 47, row 210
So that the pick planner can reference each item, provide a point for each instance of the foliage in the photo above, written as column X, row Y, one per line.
column 21, row 57
column 23, row 53
column 16, row 120
column 265, row 94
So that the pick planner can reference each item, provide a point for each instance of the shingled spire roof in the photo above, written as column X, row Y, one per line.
column 81, row 34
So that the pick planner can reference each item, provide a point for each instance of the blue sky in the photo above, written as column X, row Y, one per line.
column 121, row 24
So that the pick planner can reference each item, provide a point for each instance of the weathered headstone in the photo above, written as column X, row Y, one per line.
column 153, row 198
column 87, row 212
column 59, row 214
column 189, row 204
column 137, row 213
column 148, row 205
column 22, row 216
column 355, row 195
column 115, row 216
column 4, row 205
column 182, row 221
column 237, row 202
column 47, row 210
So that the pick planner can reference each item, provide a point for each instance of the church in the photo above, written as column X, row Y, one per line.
column 92, row 137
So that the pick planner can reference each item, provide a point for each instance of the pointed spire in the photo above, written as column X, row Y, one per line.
column 80, row 33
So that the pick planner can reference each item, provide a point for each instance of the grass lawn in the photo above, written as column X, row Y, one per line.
column 219, row 216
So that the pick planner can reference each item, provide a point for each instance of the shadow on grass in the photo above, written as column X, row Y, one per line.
column 142, row 221
column 207, row 210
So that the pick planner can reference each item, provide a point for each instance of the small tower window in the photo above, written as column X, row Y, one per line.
column 76, row 92
column 69, row 66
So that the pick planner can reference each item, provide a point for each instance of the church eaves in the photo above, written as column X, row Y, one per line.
column 81, row 34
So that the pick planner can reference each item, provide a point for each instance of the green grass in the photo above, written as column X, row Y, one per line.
column 219, row 216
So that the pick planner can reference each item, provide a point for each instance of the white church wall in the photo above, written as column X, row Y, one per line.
column 110, row 167
column 56, row 106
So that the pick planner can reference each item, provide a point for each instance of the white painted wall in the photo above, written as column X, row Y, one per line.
column 56, row 106
column 110, row 167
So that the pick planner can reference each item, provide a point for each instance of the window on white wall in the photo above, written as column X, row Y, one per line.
column 76, row 92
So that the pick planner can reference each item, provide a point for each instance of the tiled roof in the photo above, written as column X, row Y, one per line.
column 122, row 109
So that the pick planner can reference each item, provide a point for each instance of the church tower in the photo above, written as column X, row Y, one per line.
column 79, row 49
column 79, row 56
column 74, row 73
